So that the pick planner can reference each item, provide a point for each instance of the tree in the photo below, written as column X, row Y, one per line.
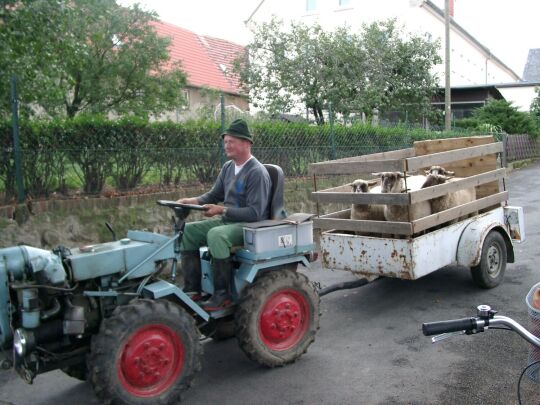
column 73, row 56
column 504, row 115
column 535, row 105
column 379, row 67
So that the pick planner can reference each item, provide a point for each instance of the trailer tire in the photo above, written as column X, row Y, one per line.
column 278, row 317
column 147, row 352
column 490, row 271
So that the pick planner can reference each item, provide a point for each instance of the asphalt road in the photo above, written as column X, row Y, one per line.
column 370, row 349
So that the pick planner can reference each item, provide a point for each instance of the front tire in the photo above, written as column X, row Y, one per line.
column 147, row 352
column 278, row 318
column 490, row 271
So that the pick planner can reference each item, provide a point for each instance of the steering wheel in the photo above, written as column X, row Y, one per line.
column 174, row 204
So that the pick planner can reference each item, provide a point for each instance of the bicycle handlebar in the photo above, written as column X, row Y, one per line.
column 486, row 318
column 453, row 325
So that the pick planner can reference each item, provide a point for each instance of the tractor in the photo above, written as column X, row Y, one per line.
column 115, row 314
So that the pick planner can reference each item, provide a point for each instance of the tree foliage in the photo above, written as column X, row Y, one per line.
column 73, row 56
column 379, row 67
column 502, row 114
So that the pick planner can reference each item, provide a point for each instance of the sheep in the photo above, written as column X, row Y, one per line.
column 449, row 200
column 393, row 182
column 439, row 170
column 373, row 212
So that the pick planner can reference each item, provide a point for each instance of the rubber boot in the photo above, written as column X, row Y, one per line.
column 191, row 266
column 222, row 270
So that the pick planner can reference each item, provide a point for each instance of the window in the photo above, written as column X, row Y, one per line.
column 185, row 94
column 344, row 3
column 311, row 5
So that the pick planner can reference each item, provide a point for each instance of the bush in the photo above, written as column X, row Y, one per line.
column 96, row 150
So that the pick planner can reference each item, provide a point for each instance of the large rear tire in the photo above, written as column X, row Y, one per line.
column 147, row 352
column 490, row 271
column 278, row 318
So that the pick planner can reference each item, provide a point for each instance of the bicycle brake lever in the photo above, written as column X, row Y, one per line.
column 444, row 336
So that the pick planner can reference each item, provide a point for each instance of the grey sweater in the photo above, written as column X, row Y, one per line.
column 246, row 195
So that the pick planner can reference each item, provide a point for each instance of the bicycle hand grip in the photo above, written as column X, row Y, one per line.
column 454, row 325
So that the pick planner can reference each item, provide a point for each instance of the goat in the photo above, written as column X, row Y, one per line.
column 394, row 182
column 449, row 200
column 372, row 212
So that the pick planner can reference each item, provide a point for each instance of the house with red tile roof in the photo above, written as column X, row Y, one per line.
column 208, row 64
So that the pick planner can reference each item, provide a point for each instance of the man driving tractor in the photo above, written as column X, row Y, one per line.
column 244, row 188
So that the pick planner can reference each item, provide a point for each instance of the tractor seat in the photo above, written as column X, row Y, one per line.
column 277, row 211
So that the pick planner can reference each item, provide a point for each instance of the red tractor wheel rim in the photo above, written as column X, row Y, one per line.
column 284, row 319
column 150, row 361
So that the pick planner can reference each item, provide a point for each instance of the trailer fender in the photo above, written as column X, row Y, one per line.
column 470, row 243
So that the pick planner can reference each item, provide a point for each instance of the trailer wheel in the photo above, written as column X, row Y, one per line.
column 278, row 317
column 147, row 352
column 490, row 271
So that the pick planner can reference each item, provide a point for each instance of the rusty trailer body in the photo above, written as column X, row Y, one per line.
column 479, row 234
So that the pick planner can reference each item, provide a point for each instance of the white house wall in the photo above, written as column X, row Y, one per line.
column 468, row 61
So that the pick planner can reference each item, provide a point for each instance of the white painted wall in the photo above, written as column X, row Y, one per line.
column 469, row 63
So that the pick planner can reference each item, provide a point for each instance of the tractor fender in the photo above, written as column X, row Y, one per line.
column 469, row 251
column 248, row 271
column 164, row 289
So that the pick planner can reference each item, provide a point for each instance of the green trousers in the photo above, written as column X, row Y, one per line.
column 218, row 235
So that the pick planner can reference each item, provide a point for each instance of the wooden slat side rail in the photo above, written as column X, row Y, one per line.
column 361, row 198
column 357, row 167
column 469, row 182
column 346, row 188
column 343, row 214
column 393, row 154
column 441, row 158
column 400, row 228
column 457, row 212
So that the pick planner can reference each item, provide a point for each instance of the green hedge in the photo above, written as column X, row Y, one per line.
column 94, row 150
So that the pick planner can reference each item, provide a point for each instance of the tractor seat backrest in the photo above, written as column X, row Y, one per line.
column 277, row 211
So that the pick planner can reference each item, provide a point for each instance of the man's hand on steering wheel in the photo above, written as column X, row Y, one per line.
column 192, row 201
column 213, row 209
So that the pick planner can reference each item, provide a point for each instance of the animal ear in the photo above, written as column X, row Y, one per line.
column 372, row 182
column 377, row 174
column 449, row 173
column 402, row 176
column 427, row 172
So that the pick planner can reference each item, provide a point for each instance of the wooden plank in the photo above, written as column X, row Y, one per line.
column 415, row 163
column 346, row 188
column 343, row 214
column 400, row 228
column 361, row 198
column 389, row 155
column 441, row 145
column 468, row 182
column 356, row 167
column 457, row 212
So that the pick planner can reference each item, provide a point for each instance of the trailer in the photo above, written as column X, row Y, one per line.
column 479, row 234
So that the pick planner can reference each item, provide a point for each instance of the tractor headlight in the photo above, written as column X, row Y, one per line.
column 20, row 342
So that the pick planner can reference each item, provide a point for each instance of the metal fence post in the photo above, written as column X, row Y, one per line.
column 221, row 147
column 16, row 143
column 332, row 134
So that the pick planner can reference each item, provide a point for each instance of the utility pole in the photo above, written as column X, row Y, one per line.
column 447, row 95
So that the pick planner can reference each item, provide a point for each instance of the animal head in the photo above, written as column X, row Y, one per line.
column 439, row 170
column 435, row 180
column 391, row 182
column 363, row 186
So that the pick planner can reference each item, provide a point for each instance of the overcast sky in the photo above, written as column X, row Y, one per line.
column 509, row 28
